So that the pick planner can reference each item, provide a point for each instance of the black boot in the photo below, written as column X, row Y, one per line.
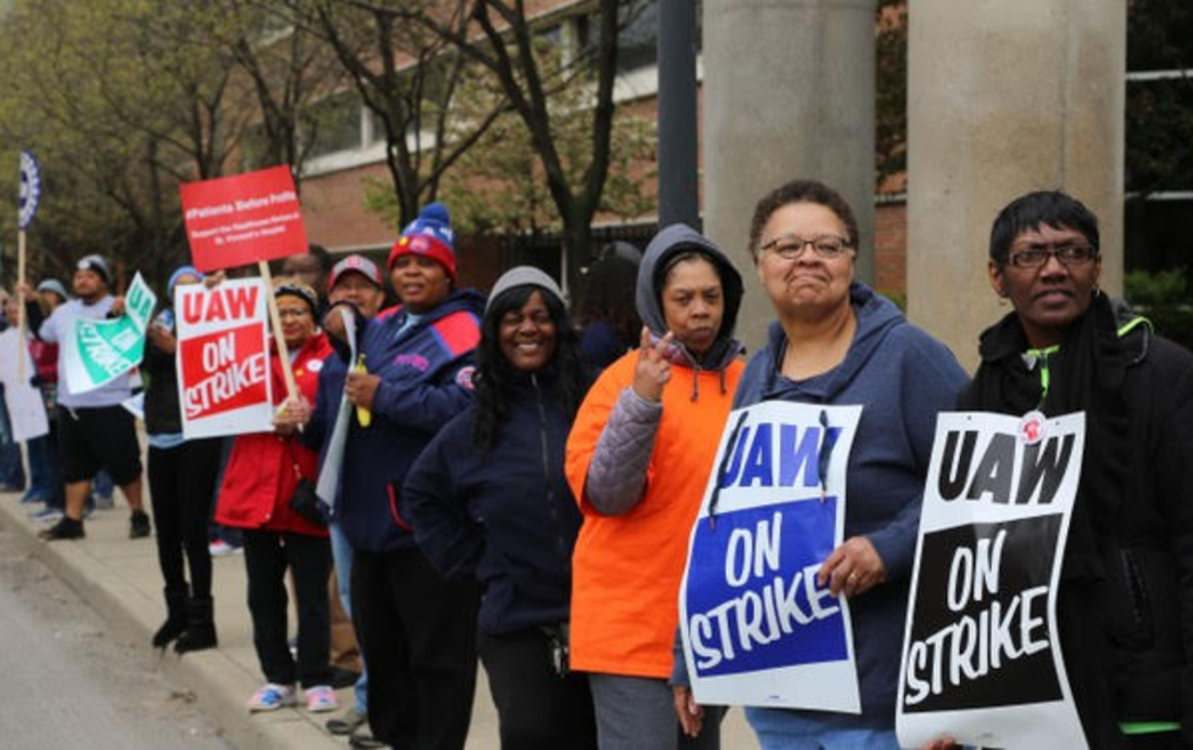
column 175, row 619
column 200, row 627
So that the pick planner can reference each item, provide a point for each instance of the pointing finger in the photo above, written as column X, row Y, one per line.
column 644, row 343
column 664, row 344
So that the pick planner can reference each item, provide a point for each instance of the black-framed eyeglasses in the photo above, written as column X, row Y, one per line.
column 1038, row 255
column 825, row 246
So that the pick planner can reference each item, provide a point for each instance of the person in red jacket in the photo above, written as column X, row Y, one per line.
column 264, row 469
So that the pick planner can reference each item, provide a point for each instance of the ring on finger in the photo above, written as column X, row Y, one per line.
column 852, row 578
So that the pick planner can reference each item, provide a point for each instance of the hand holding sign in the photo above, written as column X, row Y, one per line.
column 653, row 370
column 294, row 413
column 688, row 711
column 853, row 568
column 162, row 339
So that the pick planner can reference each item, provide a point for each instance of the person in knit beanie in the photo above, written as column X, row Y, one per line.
column 430, row 236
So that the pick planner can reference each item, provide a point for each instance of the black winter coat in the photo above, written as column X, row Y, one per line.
column 505, row 515
column 1137, row 610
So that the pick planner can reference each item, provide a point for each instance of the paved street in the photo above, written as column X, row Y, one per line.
column 69, row 682
column 57, row 647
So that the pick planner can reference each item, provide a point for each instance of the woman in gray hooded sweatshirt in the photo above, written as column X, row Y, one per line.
column 638, row 457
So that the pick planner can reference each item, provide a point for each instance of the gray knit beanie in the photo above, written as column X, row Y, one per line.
column 521, row 276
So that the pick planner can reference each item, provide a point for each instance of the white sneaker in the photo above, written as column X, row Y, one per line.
column 220, row 548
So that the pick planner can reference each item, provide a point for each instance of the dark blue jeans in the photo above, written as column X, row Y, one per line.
column 45, row 481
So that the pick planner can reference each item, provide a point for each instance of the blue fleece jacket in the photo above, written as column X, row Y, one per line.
column 425, row 382
column 901, row 377
column 505, row 515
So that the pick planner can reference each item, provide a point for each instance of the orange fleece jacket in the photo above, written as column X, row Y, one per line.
column 627, row 569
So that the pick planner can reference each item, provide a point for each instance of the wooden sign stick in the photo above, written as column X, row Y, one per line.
column 276, row 322
column 22, row 347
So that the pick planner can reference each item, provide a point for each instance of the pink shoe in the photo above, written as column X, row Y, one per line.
column 320, row 698
column 272, row 697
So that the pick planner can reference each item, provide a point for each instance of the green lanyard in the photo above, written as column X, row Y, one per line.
column 1031, row 358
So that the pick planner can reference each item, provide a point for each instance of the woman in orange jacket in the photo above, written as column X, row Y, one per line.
column 638, row 458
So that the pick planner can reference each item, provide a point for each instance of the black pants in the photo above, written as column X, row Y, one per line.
column 536, row 708
column 418, row 634
column 181, row 480
column 267, row 554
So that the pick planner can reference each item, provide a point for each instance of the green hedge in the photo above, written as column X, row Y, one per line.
column 1164, row 299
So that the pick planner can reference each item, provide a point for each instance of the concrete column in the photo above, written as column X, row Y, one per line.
column 1004, row 98
column 788, row 93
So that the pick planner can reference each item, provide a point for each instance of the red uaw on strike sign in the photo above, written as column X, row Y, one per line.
column 235, row 221
column 223, row 359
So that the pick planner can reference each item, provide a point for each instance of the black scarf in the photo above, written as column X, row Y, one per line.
column 1087, row 374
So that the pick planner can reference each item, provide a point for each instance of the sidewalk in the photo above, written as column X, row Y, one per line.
column 120, row 579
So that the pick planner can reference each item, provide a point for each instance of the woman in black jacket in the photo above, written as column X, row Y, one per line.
column 181, row 479
column 490, row 501
column 1125, row 606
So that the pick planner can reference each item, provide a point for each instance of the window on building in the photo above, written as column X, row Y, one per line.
column 1159, row 136
column 337, row 124
column 638, row 39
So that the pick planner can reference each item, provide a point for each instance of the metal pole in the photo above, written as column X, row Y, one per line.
column 679, row 178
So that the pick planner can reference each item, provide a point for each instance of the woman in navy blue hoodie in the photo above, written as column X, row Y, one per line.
column 490, row 502
column 838, row 342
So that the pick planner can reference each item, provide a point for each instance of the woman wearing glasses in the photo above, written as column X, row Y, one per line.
column 1125, row 585
column 264, row 469
column 838, row 342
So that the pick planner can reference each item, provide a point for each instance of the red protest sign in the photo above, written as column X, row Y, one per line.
column 234, row 221
column 223, row 371
column 223, row 359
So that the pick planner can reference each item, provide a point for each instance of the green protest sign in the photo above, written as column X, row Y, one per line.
column 99, row 351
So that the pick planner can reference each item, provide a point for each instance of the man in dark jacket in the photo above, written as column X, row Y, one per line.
column 1125, row 612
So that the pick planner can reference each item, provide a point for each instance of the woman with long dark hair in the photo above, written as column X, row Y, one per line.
column 490, row 501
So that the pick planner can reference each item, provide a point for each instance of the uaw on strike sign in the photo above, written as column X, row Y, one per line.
column 223, row 359
column 235, row 221
column 758, row 629
column 981, row 661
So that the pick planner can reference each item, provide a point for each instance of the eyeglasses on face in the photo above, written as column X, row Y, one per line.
column 292, row 312
column 790, row 247
column 1036, row 256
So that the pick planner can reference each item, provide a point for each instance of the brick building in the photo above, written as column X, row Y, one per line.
column 352, row 151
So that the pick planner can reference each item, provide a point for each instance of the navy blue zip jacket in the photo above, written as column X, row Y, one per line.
column 506, row 515
column 901, row 377
column 425, row 375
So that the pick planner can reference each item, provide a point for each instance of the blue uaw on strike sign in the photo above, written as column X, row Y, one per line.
column 758, row 628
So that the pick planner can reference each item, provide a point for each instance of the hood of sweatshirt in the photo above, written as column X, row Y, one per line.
column 674, row 239
column 876, row 317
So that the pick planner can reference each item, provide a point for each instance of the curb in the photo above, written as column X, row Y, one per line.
column 220, row 683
